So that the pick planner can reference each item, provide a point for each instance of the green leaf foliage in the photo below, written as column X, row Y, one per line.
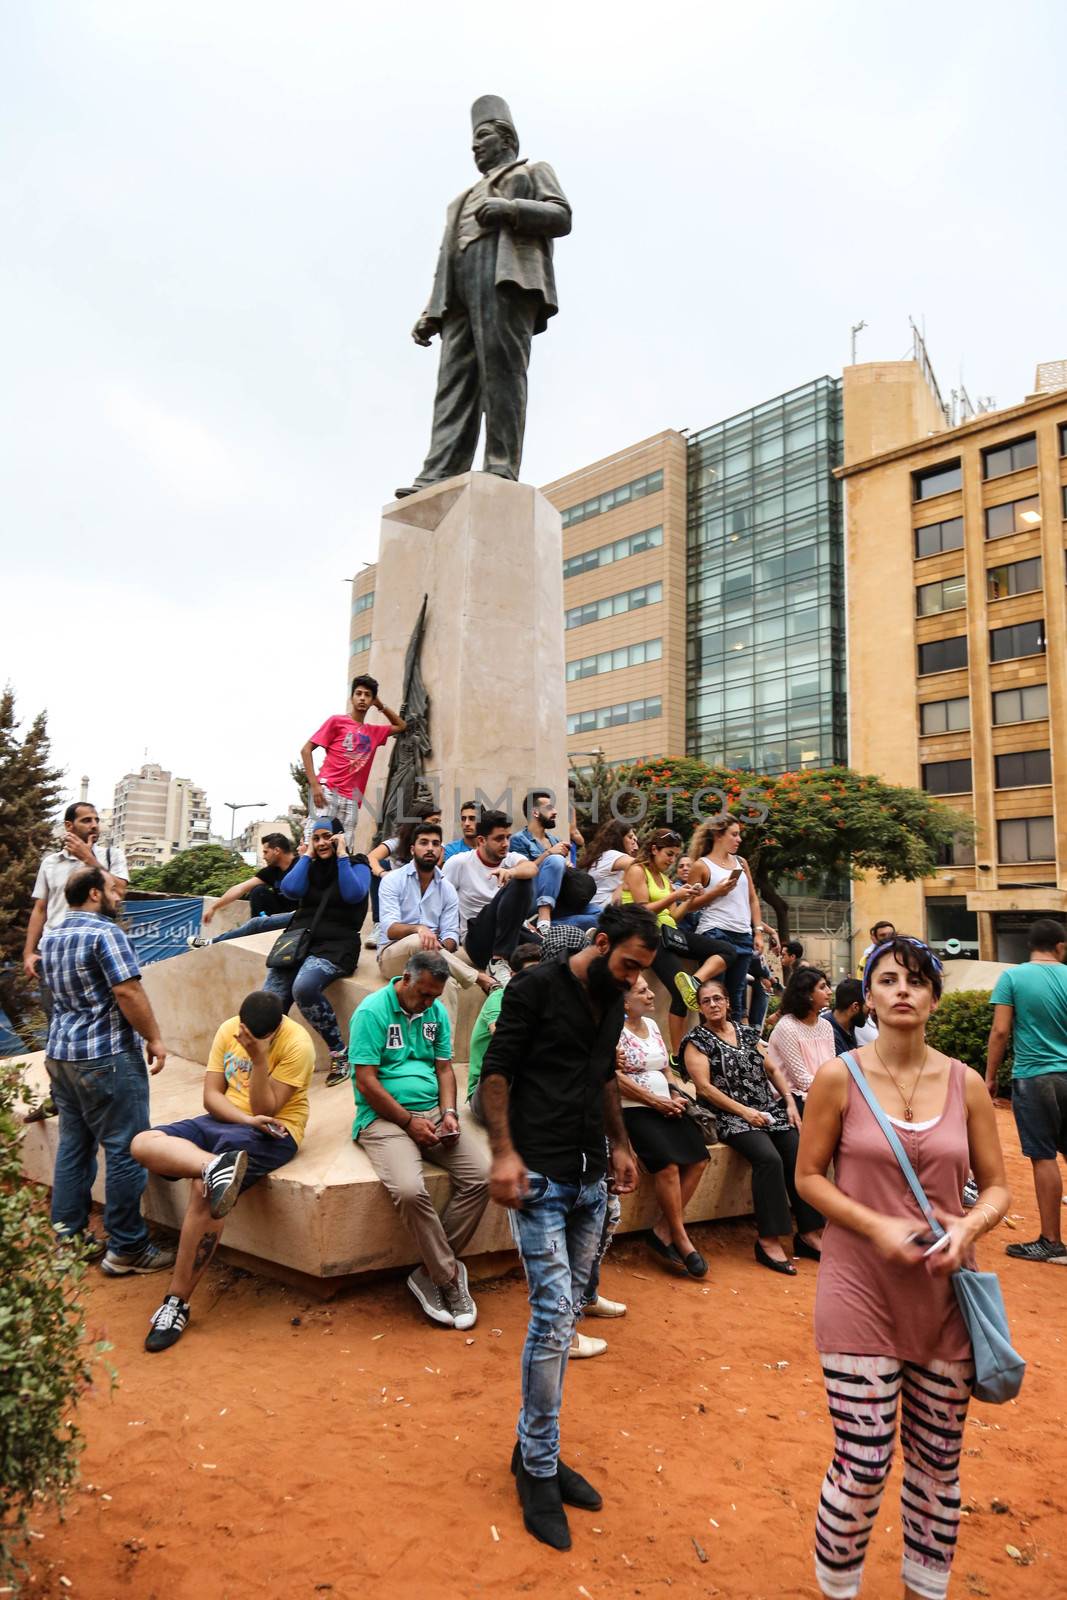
column 45, row 1363
column 29, row 798
column 207, row 869
column 960, row 1028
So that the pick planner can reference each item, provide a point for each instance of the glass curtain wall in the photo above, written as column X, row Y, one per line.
column 766, row 617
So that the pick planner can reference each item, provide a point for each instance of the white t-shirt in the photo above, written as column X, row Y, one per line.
column 733, row 910
column 59, row 865
column 607, row 878
column 473, row 881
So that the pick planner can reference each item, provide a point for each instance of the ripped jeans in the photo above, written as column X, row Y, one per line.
column 557, row 1231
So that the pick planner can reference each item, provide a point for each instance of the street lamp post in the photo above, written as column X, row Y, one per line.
column 245, row 805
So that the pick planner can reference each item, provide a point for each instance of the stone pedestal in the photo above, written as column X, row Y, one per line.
column 488, row 553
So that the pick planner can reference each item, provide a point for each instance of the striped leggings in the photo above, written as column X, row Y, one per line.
column 863, row 1393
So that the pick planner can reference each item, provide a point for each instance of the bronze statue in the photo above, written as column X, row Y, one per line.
column 493, row 290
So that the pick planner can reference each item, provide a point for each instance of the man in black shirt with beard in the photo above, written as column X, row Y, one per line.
column 551, row 1104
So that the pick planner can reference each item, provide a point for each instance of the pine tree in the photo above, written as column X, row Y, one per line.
column 29, row 797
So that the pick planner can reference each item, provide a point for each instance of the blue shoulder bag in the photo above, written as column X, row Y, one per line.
column 998, row 1368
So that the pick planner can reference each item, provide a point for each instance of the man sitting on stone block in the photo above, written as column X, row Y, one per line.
column 418, row 910
column 405, row 1089
column 270, row 909
column 468, row 830
column 551, row 856
column 495, row 886
column 350, row 743
column 256, row 1104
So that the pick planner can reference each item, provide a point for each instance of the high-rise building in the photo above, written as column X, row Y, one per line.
column 361, row 621
column 155, row 815
column 957, row 620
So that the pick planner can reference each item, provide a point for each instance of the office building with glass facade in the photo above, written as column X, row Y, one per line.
column 765, row 667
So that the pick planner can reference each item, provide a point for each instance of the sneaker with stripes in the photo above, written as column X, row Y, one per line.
column 222, row 1181
column 168, row 1324
column 153, row 1258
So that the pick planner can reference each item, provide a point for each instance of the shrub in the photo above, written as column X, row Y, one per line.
column 960, row 1027
column 44, row 1365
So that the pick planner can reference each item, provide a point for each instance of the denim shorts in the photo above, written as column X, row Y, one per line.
column 265, row 1152
column 1040, row 1107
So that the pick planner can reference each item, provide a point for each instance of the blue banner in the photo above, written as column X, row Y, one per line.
column 160, row 928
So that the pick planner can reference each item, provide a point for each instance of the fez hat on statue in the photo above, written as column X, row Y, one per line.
column 491, row 108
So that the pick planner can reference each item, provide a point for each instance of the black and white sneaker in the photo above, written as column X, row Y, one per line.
column 168, row 1324
column 970, row 1194
column 222, row 1181
column 196, row 941
column 431, row 1297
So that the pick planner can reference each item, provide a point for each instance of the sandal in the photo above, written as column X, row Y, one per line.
column 765, row 1260
column 339, row 1072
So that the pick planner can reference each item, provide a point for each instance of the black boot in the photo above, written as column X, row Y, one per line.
column 574, row 1490
column 542, row 1508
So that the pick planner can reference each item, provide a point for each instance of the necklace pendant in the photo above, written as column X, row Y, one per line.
column 907, row 1114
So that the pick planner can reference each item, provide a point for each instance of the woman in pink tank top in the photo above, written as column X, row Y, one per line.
column 887, row 1325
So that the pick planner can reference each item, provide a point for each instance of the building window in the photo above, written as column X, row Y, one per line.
column 955, row 854
column 947, row 595
column 946, row 716
column 363, row 602
column 1025, row 839
column 357, row 647
column 1015, row 516
column 615, row 716
column 1023, row 639
column 618, row 550
column 942, row 655
column 1005, row 458
column 636, row 489
column 937, row 480
column 1063, row 438
column 1020, row 705
column 1017, row 577
column 627, row 655
column 1024, row 768
column 947, row 777
column 934, row 537
column 613, row 605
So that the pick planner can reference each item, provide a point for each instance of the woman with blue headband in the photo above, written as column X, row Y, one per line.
column 887, row 1324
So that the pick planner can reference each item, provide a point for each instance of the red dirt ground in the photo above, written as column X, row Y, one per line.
column 293, row 1448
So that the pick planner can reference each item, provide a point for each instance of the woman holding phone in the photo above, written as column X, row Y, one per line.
column 726, row 900
column 331, row 892
column 887, row 1324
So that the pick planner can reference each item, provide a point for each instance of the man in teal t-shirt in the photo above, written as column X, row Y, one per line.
column 1030, row 1012
column 400, row 1049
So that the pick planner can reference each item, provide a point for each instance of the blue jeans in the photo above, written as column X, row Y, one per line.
column 261, row 924
column 736, row 975
column 612, row 1216
column 757, row 1006
column 548, row 880
column 102, row 1102
column 557, row 1230
column 305, row 986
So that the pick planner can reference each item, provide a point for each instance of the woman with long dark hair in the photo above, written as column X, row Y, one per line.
column 727, row 900
column 802, row 1039
column 331, row 894
column 606, row 857
column 887, row 1323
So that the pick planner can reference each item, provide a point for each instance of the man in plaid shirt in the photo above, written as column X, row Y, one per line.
column 98, row 1074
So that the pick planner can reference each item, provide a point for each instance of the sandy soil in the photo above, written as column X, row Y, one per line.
column 288, row 1447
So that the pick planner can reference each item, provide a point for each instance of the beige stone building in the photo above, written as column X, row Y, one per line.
column 155, row 815
column 957, row 630
column 361, row 625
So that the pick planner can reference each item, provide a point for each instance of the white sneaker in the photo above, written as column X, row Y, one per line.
column 197, row 941
column 499, row 970
column 582, row 1347
column 605, row 1308
column 431, row 1297
column 457, row 1298
column 371, row 941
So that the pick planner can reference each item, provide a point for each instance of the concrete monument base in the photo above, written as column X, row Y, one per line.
column 488, row 554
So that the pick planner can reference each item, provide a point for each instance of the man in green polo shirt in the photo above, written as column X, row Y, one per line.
column 400, row 1049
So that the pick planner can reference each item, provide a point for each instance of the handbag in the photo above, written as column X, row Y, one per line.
column 292, row 946
column 674, row 940
column 998, row 1368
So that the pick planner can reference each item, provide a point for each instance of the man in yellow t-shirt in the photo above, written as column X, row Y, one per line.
column 256, row 1105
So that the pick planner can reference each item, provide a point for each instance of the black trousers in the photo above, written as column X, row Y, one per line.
column 485, row 351
column 667, row 965
column 774, row 1160
column 263, row 901
column 496, row 929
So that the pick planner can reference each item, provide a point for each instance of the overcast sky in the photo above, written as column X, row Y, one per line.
column 219, row 222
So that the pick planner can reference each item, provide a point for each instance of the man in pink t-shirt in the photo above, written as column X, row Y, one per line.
column 350, row 743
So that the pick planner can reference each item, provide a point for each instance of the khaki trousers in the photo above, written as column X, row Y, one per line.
column 398, row 1162
column 394, row 958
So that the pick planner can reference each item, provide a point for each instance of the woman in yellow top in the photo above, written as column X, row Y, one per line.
column 647, row 882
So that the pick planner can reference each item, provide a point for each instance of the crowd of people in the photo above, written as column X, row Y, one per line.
column 577, row 1091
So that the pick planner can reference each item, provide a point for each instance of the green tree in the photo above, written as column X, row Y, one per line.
column 29, row 798
column 45, row 1363
column 208, row 869
column 800, row 827
column 960, row 1028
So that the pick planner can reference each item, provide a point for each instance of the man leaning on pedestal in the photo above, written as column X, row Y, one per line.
column 493, row 290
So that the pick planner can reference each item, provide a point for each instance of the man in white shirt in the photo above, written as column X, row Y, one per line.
column 79, row 849
column 418, row 909
column 495, row 887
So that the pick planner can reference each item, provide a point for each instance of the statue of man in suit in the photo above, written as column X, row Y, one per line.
column 493, row 290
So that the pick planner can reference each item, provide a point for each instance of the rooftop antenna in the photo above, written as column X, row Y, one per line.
column 857, row 327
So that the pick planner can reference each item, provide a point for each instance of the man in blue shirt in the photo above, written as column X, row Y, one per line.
column 418, row 909
column 97, row 1071
column 551, row 856
column 468, row 830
